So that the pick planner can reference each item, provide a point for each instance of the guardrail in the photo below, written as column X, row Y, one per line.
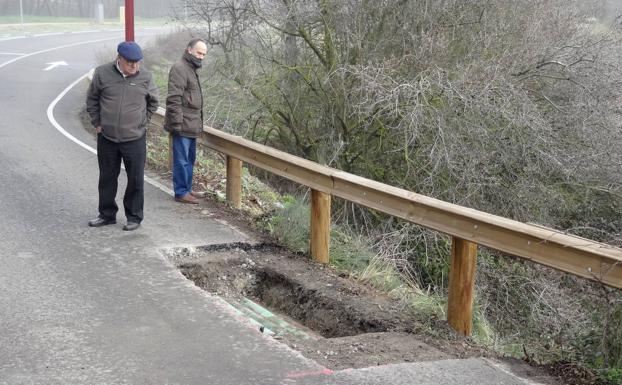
column 467, row 227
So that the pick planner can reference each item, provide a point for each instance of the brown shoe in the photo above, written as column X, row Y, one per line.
column 187, row 199
column 197, row 194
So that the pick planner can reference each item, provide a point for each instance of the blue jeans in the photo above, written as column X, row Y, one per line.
column 184, row 155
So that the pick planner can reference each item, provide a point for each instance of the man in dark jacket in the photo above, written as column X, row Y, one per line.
column 184, row 117
column 120, row 101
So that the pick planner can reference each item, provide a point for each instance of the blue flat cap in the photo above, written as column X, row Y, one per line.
column 130, row 51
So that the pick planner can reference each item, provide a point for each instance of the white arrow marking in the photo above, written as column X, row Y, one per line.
column 54, row 65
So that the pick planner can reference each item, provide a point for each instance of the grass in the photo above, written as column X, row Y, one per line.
column 290, row 225
column 613, row 376
column 31, row 19
column 351, row 253
column 10, row 25
column 15, row 19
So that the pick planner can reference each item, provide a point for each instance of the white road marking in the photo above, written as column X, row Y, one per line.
column 6, row 38
column 59, row 47
column 50, row 110
column 99, row 30
column 87, row 31
column 50, row 113
column 48, row 34
column 54, row 64
column 55, row 48
column 12, row 38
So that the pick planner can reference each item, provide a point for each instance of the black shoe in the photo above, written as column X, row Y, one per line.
column 131, row 226
column 99, row 222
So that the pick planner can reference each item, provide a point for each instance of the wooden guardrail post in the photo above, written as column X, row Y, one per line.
column 461, row 285
column 320, row 226
column 234, row 182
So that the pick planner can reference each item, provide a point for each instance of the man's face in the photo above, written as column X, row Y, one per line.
column 128, row 67
column 198, row 51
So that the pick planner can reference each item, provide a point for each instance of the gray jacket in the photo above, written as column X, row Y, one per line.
column 184, row 103
column 122, row 106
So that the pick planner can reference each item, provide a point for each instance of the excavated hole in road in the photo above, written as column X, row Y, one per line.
column 290, row 285
column 325, row 316
column 359, row 327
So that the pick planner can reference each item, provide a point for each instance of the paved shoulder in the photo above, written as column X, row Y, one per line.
column 459, row 371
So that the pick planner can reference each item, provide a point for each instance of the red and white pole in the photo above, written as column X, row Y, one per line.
column 129, row 20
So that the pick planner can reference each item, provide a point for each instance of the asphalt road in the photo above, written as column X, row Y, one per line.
column 80, row 305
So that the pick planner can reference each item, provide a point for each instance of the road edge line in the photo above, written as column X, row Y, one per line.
column 59, row 128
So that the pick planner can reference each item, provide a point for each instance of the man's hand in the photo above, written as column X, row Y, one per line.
column 98, row 129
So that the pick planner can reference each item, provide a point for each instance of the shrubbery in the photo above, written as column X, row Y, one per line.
column 509, row 107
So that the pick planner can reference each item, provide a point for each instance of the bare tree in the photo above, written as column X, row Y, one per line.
column 521, row 81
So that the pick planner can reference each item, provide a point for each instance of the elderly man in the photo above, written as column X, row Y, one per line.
column 184, row 117
column 120, row 101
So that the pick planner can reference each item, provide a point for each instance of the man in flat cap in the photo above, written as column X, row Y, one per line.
column 120, row 101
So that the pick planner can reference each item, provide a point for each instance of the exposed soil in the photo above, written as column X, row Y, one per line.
column 347, row 324
column 340, row 322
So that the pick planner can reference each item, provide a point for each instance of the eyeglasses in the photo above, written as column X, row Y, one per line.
column 130, row 62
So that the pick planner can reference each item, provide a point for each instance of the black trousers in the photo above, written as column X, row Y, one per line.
column 109, row 157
